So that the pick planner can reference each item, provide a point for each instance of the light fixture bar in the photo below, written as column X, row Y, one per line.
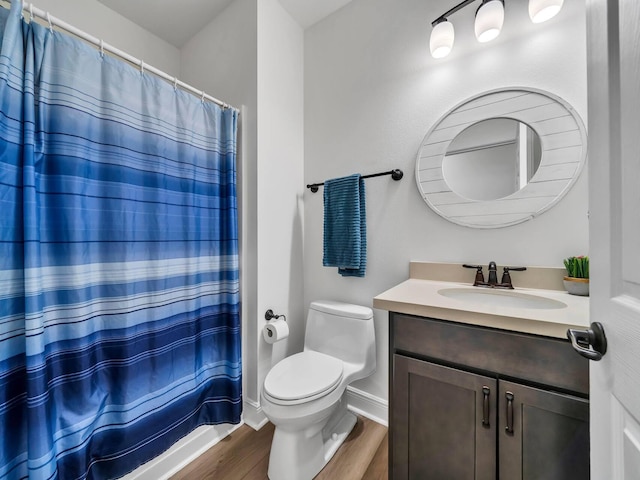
column 451, row 11
column 488, row 22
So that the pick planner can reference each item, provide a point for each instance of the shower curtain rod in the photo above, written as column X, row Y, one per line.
column 105, row 47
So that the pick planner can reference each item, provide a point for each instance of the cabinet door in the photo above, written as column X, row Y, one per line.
column 543, row 435
column 444, row 423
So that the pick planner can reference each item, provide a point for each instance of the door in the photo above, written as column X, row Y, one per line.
column 542, row 435
column 444, row 423
column 613, row 41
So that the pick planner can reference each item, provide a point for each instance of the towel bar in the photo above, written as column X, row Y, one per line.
column 396, row 174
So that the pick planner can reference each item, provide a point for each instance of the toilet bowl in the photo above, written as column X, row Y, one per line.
column 304, row 395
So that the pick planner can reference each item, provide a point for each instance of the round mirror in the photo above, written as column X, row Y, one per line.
column 501, row 158
column 492, row 159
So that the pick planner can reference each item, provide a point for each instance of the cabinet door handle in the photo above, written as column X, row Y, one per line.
column 486, row 391
column 509, row 427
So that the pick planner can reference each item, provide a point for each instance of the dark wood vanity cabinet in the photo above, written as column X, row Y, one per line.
column 474, row 403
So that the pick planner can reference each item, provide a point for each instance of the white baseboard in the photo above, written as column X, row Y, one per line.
column 183, row 452
column 367, row 405
column 253, row 415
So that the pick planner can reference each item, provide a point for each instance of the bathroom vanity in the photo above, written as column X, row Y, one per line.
column 483, row 388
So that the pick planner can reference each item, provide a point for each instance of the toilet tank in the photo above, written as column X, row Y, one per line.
column 342, row 330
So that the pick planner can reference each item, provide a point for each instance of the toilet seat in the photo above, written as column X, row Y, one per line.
column 303, row 377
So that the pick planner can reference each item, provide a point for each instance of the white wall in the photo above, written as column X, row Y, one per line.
column 102, row 22
column 372, row 91
column 280, row 179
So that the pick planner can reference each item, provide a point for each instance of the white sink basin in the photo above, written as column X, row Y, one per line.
column 501, row 298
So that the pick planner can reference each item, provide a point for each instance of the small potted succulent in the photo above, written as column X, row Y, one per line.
column 577, row 280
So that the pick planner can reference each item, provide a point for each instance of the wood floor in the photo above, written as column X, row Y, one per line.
column 244, row 455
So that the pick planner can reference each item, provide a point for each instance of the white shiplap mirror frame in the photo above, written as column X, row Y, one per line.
column 564, row 148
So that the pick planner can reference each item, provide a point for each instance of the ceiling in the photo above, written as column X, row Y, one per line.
column 178, row 25
column 308, row 12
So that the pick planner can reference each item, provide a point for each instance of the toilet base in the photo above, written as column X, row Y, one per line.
column 338, row 434
column 300, row 455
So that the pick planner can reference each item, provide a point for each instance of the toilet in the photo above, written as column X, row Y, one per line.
column 304, row 395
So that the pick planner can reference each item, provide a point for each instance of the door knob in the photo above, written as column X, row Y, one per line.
column 590, row 343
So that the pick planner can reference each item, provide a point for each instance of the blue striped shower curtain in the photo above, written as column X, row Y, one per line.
column 119, row 298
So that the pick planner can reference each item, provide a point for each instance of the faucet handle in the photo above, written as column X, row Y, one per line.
column 479, row 267
column 506, row 277
column 515, row 269
column 479, row 275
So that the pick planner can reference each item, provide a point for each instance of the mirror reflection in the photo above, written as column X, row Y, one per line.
column 492, row 159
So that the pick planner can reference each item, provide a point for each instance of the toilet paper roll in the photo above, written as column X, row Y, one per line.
column 275, row 330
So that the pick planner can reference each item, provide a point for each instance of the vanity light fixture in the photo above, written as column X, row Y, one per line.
column 488, row 22
column 542, row 10
column 441, row 40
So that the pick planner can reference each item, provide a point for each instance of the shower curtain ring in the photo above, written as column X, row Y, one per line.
column 175, row 84
column 50, row 23
column 102, row 48
column 202, row 99
column 141, row 67
column 30, row 12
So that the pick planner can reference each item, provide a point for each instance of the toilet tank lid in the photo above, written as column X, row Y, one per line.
column 342, row 309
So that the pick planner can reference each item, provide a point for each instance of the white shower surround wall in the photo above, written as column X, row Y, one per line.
column 371, row 92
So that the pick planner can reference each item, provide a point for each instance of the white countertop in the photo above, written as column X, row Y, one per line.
column 421, row 297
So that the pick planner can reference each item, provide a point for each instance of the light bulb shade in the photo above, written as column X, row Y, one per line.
column 543, row 10
column 441, row 41
column 489, row 20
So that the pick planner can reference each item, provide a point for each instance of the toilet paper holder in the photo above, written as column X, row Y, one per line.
column 268, row 315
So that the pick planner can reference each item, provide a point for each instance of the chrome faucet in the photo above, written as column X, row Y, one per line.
column 492, row 281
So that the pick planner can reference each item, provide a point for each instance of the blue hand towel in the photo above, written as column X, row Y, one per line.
column 345, row 226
